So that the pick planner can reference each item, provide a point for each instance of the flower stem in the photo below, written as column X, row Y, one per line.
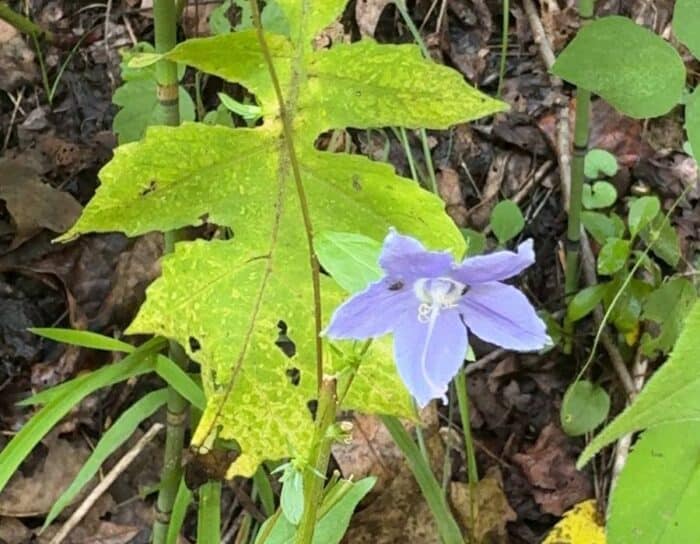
column 573, row 232
column 301, row 193
column 429, row 486
column 472, row 471
column 318, row 460
column 167, row 113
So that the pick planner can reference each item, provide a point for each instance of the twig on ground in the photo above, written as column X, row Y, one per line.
column 484, row 361
column 100, row 488
column 13, row 117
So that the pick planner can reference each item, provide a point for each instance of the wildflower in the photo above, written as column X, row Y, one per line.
column 429, row 302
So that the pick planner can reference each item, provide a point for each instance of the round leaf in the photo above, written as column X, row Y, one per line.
column 613, row 256
column 603, row 227
column 632, row 68
column 642, row 212
column 600, row 195
column 507, row 220
column 584, row 407
column 599, row 162
column 686, row 24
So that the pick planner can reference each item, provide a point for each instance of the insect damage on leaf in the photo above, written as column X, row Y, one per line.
column 230, row 294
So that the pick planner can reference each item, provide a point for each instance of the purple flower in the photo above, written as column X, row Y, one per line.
column 428, row 302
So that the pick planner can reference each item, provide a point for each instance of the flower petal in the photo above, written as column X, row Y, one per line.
column 428, row 355
column 373, row 312
column 496, row 266
column 502, row 315
column 406, row 258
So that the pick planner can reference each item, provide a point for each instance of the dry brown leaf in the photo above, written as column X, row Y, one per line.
column 367, row 14
column 32, row 204
column 17, row 60
column 451, row 192
column 550, row 466
column 492, row 511
column 13, row 531
column 35, row 494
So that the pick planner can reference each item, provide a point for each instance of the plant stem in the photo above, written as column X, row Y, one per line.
column 472, row 471
column 504, row 46
column 301, row 193
column 429, row 486
column 167, row 113
column 209, row 513
column 573, row 233
column 318, row 460
column 24, row 25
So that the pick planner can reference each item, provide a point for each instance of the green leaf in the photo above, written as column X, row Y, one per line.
column 599, row 195
column 249, row 112
column 218, row 19
column 138, row 102
column 351, row 259
column 603, row 227
column 632, row 68
column 60, row 403
column 656, row 495
column 86, row 339
column 241, row 179
column 686, row 24
column 642, row 212
column 220, row 116
column 598, row 163
column 692, row 119
column 180, row 381
column 177, row 515
column 613, row 256
column 507, row 220
column 672, row 394
column 663, row 239
column 209, row 513
column 114, row 437
column 584, row 407
column 292, row 495
column 626, row 313
column 476, row 241
column 667, row 307
column 586, row 300
column 333, row 522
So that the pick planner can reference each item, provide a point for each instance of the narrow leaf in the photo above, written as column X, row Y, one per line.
column 180, row 381
column 183, row 499
column 86, row 339
column 115, row 436
column 586, row 300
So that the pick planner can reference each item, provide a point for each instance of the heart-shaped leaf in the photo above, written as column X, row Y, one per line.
column 507, row 220
column 599, row 195
column 632, row 68
column 598, row 163
column 584, row 407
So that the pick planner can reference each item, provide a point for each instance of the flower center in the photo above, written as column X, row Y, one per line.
column 436, row 294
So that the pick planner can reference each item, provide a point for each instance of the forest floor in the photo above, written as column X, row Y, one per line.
column 53, row 147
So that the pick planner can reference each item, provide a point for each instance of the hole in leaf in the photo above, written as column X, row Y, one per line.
column 283, row 341
column 312, row 405
column 294, row 375
column 194, row 344
column 152, row 186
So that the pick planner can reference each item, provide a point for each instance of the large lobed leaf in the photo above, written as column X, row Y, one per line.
column 227, row 301
column 672, row 395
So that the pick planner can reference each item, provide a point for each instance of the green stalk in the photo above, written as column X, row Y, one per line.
column 573, row 232
column 504, row 46
column 472, row 471
column 429, row 486
column 318, row 460
column 167, row 113
column 24, row 25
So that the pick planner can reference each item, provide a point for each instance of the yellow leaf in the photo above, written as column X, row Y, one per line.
column 578, row 526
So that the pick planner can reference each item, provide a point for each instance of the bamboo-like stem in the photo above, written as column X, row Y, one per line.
column 429, row 486
column 23, row 24
column 573, row 233
column 167, row 113
column 504, row 47
column 318, row 460
column 472, row 470
column 301, row 193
